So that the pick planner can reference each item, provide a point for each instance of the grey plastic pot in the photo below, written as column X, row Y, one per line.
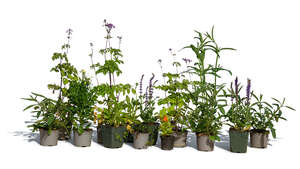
column 47, row 139
column 140, row 140
column 204, row 143
column 259, row 139
column 180, row 139
column 84, row 139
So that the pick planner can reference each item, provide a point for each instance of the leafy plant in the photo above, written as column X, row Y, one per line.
column 166, row 127
column 175, row 98
column 111, row 93
column 82, row 98
column 44, row 110
column 206, row 96
column 265, row 114
column 239, row 114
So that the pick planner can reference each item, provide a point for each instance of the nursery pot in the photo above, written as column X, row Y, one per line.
column 180, row 139
column 100, row 133
column 167, row 142
column 259, row 138
column 64, row 134
column 238, row 140
column 204, row 143
column 47, row 139
column 140, row 140
column 128, row 138
column 153, row 133
column 84, row 139
column 113, row 136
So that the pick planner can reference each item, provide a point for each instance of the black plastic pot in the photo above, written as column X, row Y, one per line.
column 238, row 140
column 99, row 134
column 112, row 137
column 259, row 138
column 64, row 134
column 153, row 133
column 167, row 142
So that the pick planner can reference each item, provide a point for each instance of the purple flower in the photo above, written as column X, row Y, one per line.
column 236, row 85
column 141, row 85
column 170, row 49
column 248, row 91
column 110, row 26
column 151, row 86
column 186, row 60
column 231, row 89
column 69, row 33
column 91, row 44
column 146, row 95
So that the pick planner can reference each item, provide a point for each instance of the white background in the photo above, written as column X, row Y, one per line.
column 265, row 34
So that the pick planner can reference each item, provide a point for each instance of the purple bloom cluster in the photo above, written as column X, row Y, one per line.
column 108, row 26
column 151, row 86
column 186, row 60
column 69, row 33
column 236, row 85
column 248, row 91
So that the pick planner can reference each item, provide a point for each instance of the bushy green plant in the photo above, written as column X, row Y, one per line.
column 207, row 101
column 266, row 114
column 165, row 127
column 44, row 110
column 113, row 95
column 176, row 98
column 81, row 98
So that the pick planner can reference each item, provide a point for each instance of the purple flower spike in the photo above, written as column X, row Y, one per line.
column 151, row 86
column 236, row 89
column 141, row 85
column 69, row 33
column 248, row 91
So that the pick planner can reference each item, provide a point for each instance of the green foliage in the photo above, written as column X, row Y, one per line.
column 44, row 110
column 206, row 96
column 81, row 98
column 266, row 114
column 176, row 100
column 165, row 127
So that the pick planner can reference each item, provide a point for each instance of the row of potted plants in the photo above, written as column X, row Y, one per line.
column 192, row 99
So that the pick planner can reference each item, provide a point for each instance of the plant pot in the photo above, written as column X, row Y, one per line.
column 113, row 136
column 47, row 139
column 238, row 140
column 153, row 133
column 99, row 134
column 204, row 143
column 84, row 139
column 259, row 138
column 167, row 142
column 180, row 139
column 128, row 138
column 140, row 140
column 64, row 134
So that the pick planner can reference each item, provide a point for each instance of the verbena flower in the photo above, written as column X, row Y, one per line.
column 69, row 33
column 186, row 60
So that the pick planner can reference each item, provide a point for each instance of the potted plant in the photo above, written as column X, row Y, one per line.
column 82, row 98
column 166, row 128
column 67, row 72
column 239, row 117
column 146, row 107
column 176, row 100
column 112, row 94
column 205, row 93
column 263, row 119
column 46, row 122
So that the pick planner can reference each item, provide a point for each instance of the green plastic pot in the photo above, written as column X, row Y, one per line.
column 99, row 133
column 153, row 133
column 112, row 137
column 238, row 140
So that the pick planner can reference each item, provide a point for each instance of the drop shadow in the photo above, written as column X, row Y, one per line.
column 224, row 141
column 28, row 136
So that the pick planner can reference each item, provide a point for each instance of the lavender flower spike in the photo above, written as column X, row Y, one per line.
column 141, row 85
column 151, row 86
column 248, row 91
column 236, row 89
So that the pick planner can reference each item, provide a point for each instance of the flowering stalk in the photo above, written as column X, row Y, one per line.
column 141, row 85
column 248, row 91
column 91, row 55
column 236, row 89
